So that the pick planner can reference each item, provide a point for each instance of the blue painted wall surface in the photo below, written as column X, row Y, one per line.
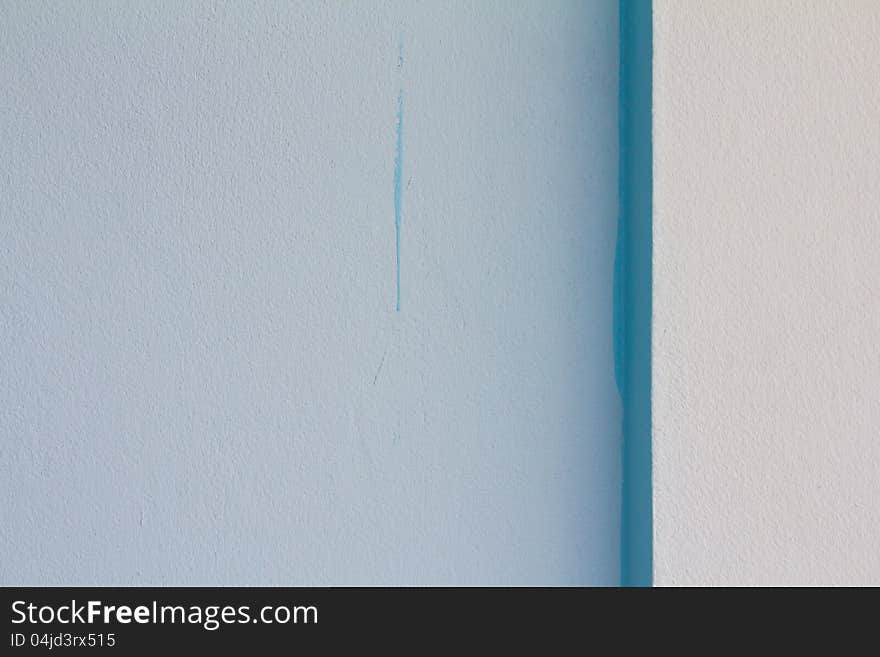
column 205, row 377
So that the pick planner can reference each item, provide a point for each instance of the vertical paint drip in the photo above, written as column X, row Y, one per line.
column 398, row 175
column 398, row 171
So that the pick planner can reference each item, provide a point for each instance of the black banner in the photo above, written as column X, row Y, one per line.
column 127, row 621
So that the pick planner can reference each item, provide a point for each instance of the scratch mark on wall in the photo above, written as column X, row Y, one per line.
column 378, row 371
column 398, row 165
column 398, row 172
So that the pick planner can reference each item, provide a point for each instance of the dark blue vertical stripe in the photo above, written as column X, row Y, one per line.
column 632, row 307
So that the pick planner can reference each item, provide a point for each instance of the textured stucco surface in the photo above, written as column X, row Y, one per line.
column 766, row 333
column 204, row 379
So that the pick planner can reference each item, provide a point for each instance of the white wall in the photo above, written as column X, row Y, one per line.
column 204, row 378
column 766, row 334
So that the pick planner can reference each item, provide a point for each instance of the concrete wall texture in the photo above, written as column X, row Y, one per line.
column 766, row 333
column 204, row 376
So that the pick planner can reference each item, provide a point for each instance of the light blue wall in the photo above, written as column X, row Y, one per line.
column 203, row 376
